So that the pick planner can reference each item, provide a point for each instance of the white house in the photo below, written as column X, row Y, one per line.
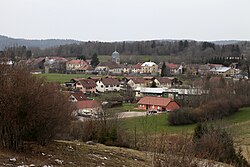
column 108, row 84
column 149, row 68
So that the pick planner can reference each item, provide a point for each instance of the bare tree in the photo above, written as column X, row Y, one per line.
column 30, row 108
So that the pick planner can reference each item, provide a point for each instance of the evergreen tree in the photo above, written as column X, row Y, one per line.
column 164, row 70
column 181, row 46
column 28, row 54
column 81, row 57
column 95, row 61
column 153, row 45
column 185, row 44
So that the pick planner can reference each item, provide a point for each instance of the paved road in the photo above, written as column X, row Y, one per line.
column 131, row 114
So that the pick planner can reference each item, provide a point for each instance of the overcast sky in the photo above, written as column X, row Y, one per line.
column 117, row 20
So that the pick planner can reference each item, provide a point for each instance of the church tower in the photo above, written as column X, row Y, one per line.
column 116, row 57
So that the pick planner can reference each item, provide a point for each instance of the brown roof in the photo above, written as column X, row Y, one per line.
column 87, row 83
column 137, row 66
column 110, row 65
column 160, row 101
column 87, row 104
column 110, row 81
column 164, row 80
column 77, row 62
column 80, row 96
column 138, row 80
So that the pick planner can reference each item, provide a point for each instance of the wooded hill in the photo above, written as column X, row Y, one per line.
column 178, row 51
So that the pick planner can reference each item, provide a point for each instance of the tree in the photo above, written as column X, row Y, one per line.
column 153, row 85
column 95, row 60
column 81, row 57
column 185, row 44
column 28, row 54
column 164, row 70
column 30, row 108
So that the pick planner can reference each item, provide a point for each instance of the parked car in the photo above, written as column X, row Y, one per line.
column 151, row 112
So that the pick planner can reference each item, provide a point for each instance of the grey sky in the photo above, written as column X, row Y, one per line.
column 110, row 20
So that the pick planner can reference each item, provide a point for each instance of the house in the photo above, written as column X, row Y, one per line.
column 223, row 71
column 108, row 85
column 109, row 67
column 86, row 86
column 55, row 65
column 127, row 69
column 163, row 82
column 34, row 63
column 135, row 82
column 136, row 68
column 149, row 68
column 191, row 69
column 158, row 104
column 77, row 96
column 77, row 66
column 175, row 69
column 88, row 108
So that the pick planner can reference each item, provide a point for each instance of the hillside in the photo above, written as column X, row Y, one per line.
column 42, row 44
column 67, row 153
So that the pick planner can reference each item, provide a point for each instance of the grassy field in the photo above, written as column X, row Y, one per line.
column 61, row 78
column 239, row 121
column 154, row 123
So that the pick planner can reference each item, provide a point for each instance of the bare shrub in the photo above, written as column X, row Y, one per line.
column 106, row 130
column 30, row 108
column 173, row 151
column 215, row 143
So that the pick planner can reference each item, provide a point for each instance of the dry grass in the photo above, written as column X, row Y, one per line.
column 75, row 154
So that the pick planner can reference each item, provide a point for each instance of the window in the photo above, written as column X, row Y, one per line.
column 101, row 86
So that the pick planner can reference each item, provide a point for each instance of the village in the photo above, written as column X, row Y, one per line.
column 147, row 86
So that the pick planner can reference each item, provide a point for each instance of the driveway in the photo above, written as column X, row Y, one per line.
column 131, row 114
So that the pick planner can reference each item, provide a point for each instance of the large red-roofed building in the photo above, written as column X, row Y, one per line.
column 158, row 104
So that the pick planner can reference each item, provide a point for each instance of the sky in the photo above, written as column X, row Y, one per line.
column 120, row 20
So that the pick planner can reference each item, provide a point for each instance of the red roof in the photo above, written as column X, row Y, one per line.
column 173, row 66
column 170, row 104
column 87, row 104
column 160, row 101
column 137, row 66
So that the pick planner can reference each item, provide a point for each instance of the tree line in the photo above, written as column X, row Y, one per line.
column 186, row 51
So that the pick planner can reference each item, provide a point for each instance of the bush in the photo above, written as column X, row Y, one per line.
column 215, row 143
column 30, row 108
column 105, row 130
column 212, row 110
